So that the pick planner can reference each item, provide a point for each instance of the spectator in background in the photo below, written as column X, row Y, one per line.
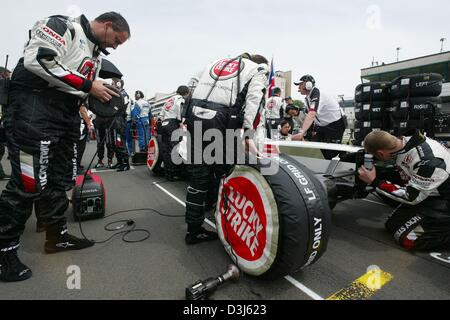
column 285, row 129
column 141, row 114
column 295, row 117
column 274, row 111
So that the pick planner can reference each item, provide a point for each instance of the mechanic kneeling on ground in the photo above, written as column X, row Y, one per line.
column 422, row 219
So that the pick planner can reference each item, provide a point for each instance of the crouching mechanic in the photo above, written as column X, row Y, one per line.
column 171, row 121
column 57, row 71
column 422, row 219
column 229, row 95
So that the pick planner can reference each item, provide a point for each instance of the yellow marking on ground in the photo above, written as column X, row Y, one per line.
column 364, row 287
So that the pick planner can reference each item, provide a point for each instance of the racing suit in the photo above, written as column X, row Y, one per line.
column 422, row 220
column 102, row 125
column 141, row 114
column 274, row 114
column 170, row 121
column 222, row 90
column 43, row 124
column 116, row 140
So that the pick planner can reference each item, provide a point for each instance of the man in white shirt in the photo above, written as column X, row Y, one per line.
column 325, row 116
column 274, row 111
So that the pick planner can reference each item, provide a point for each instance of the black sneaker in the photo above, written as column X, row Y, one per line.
column 123, row 167
column 12, row 269
column 66, row 242
column 201, row 235
column 99, row 164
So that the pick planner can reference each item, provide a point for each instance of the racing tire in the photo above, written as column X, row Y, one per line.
column 415, row 108
column 418, row 85
column 154, row 156
column 372, row 91
column 276, row 224
column 371, row 111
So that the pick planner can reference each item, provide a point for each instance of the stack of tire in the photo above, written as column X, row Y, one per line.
column 372, row 102
column 405, row 104
column 414, row 103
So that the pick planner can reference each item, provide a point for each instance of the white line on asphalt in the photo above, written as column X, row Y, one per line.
column 210, row 223
column 108, row 170
column 294, row 282
column 306, row 290
column 169, row 194
column 376, row 202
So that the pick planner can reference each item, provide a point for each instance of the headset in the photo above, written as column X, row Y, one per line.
column 310, row 82
column 139, row 95
column 246, row 55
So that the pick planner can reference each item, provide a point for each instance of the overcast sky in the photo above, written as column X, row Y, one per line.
column 174, row 39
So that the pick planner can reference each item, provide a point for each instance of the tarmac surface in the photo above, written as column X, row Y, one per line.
column 161, row 267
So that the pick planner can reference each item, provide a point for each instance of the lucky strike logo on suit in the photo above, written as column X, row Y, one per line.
column 226, row 69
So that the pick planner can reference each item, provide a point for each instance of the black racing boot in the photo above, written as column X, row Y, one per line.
column 99, row 164
column 11, row 268
column 116, row 166
column 124, row 166
column 197, row 234
column 61, row 240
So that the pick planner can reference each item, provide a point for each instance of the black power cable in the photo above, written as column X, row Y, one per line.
column 124, row 223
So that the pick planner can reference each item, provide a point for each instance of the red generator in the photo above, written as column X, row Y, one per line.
column 88, row 199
